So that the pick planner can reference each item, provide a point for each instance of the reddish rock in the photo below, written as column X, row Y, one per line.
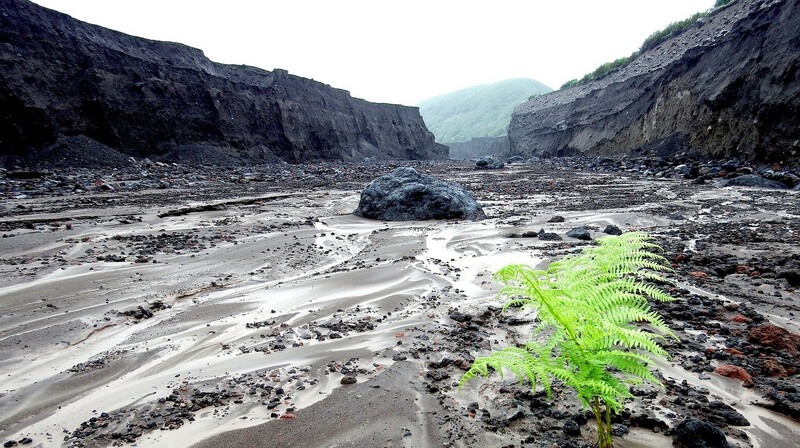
column 772, row 368
column 733, row 351
column 741, row 319
column 735, row 372
column 288, row 416
column 776, row 338
column 698, row 274
column 742, row 270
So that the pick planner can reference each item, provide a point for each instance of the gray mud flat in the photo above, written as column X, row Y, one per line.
column 242, row 312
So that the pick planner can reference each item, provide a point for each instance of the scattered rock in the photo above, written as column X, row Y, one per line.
column 571, row 428
column 489, row 163
column 729, row 414
column 460, row 317
column 750, row 180
column 549, row 236
column 694, row 433
column 580, row 233
column 619, row 430
column 732, row 371
column 777, row 338
column 791, row 275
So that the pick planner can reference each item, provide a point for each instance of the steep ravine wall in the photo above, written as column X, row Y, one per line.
column 62, row 77
column 727, row 86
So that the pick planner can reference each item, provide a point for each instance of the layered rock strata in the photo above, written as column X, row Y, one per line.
column 61, row 78
column 726, row 86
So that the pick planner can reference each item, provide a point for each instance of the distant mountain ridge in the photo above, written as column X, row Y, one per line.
column 66, row 83
column 477, row 111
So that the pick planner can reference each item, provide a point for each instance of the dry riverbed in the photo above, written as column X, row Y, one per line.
column 214, row 308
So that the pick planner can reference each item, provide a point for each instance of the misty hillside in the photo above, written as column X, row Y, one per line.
column 478, row 111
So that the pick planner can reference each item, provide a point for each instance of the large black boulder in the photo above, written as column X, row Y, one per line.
column 405, row 195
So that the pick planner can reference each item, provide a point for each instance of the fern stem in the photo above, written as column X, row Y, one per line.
column 553, row 312
column 603, row 424
column 608, row 426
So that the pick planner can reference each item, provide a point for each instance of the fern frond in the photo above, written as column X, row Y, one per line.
column 636, row 339
column 612, row 396
column 521, row 362
column 635, row 364
column 623, row 313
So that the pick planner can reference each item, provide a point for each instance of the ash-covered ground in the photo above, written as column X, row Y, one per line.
column 161, row 305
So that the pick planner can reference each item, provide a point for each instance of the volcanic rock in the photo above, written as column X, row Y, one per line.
column 571, row 428
column 776, row 338
column 732, row 371
column 405, row 195
column 694, row 433
column 489, row 163
column 580, row 233
column 791, row 275
column 727, row 413
column 750, row 180
column 549, row 236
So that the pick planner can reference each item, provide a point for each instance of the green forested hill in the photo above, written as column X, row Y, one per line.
column 478, row 111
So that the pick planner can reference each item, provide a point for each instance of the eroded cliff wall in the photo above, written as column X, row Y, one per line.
column 727, row 86
column 62, row 77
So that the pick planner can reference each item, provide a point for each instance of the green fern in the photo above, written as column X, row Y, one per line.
column 586, row 307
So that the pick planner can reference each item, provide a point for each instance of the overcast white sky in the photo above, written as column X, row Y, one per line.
column 398, row 51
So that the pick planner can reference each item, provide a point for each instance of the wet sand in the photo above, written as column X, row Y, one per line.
column 267, row 299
